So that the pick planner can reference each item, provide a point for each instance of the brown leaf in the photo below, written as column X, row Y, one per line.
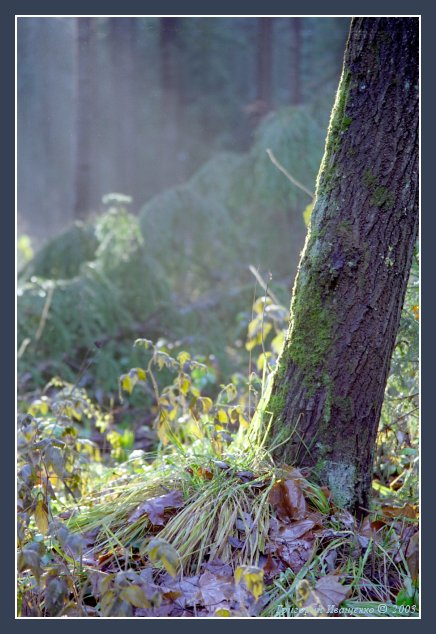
column 205, row 473
column 331, row 591
column 290, row 532
column 215, row 589
column 186, row 588
column 345, row 518
column 172, row 595
column 271, row 567
column 370, row 527
column 245, row 476
column 327, row 592
column 287, row 498
column 294, row 554
column 235, row 542
column 221, row 465
column 412, row 555
column 408, row 510
column 155, row 508
column 245, row 523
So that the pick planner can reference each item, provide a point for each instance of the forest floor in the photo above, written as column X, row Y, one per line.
column 204, row 524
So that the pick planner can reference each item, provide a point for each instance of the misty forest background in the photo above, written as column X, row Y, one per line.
column 150, row 210
column 177, row 115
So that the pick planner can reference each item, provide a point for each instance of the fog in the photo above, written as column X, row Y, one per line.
column 137, row 105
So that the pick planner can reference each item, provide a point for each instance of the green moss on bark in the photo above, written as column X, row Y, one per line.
column 339, row 124
column 381, row 196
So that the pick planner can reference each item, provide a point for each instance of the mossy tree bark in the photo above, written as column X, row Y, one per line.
column 329, row 384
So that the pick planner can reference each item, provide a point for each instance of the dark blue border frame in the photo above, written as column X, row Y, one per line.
column 7, row 268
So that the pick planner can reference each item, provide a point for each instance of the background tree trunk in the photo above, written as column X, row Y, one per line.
column 328, row 388
column 264, row 63
column 122, row 49
column 168, row 36
column 295, row 60
column 82, row 188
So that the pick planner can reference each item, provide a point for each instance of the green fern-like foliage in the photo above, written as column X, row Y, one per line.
column 180, row 269
column 62, row 256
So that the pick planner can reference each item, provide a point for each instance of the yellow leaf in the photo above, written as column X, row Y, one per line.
column 135, row 596
column 307, row 214
column 183, row 357
column 260, row 303
column 243, row 421
column 127, row 383
column 222, row 612
column 41, row 517
column 303, row 591
column 262, row 359
column 253, row 579
column 141, row 374
column 254, row 326
column 277, row 342
column 231, row 392
column 234, row 413
column 250, row 344
column 160, row 551
column 162, row 428
column 222, row 417
column 206, row 404
column 184, row 383
column 39, row 406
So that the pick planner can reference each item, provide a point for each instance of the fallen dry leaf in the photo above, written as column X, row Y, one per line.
column 215, row 589
column 290, row 532
column 155, row 508
column 287, row 499
column 412, row 555
column 327, row 594
column 408, row 510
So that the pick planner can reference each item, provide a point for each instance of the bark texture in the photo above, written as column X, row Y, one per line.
column 328, row 389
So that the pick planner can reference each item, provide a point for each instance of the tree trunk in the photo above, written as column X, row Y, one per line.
column 168, row 33
column 328, row 388
column 82, row 189
column 264, row 63
column 295, row 61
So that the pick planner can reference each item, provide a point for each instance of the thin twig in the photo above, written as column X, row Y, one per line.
column 44, row 313
column 293, row 180
column 263, row 284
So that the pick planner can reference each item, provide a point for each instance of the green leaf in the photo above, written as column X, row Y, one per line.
column 55, row 457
